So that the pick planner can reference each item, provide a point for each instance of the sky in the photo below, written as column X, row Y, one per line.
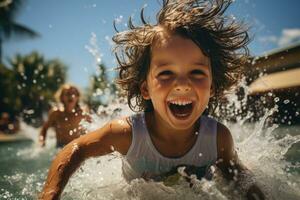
column 78, row 32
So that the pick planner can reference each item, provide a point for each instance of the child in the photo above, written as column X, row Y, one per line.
column 65, row 120
column 170, row 71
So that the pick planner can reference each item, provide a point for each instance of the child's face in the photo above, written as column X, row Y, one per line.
column 179, row 82
column 70, row 96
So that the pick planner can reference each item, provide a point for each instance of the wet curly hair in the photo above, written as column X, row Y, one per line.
column 221, row 38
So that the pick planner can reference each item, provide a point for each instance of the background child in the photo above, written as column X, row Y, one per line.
column 171, row 71
column 65, row 119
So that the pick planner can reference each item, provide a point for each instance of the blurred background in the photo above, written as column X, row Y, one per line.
column 44, row 44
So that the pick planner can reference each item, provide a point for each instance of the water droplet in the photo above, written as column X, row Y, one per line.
column 286, row 101
column 112, row 148
column 11, row 126
column 213, row 169
column 121, row 122
column 75, row 147
column 276, row 99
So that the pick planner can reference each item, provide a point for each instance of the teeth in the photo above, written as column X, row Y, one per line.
column 180, row 102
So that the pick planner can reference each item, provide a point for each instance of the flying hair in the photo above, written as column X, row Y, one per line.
column 220, row 37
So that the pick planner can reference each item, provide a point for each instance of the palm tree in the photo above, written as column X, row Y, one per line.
column 8, row 26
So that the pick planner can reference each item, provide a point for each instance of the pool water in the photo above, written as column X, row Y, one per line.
column 273, row 154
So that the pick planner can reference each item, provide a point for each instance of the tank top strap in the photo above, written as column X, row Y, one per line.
column 138, row 132
column 207, row 140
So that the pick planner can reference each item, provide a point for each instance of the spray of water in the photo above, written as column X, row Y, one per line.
column 101, row 178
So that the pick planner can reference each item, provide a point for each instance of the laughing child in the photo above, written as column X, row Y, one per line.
column 171, row 72
column 65, row 119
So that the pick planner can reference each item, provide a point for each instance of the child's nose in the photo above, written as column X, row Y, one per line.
column 182, row 85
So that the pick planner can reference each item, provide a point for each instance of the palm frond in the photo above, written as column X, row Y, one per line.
column 18, row 30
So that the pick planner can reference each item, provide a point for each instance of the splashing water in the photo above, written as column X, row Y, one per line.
column 269, row 152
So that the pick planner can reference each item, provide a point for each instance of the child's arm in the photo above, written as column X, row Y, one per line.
column 46, row 125
column 114, row 136
column 231, row 167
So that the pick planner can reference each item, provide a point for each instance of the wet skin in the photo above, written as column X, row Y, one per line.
column 65, row 122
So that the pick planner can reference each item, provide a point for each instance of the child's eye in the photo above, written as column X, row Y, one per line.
column 197, row 73
column 165, row 74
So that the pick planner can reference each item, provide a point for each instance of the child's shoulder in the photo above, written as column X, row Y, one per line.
column 55, row 112
column 117, row 133
column 56, row 109
column 223, row 133
column 120, row 125
column 222, row 130
column 224, row 141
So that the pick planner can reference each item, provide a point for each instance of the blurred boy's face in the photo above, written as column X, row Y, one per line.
column 179, row 82
column 70, row 97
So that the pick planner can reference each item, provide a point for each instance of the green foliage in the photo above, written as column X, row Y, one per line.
column 30, row 84
column 101, row 91
column 8, row 101
column 8, row 26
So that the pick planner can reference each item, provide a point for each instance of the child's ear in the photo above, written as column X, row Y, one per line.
column 144, row 91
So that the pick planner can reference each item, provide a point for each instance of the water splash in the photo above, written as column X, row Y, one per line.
column 94, row 49
column 101, row 178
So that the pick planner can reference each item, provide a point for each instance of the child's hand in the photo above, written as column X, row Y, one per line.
column 255, row 193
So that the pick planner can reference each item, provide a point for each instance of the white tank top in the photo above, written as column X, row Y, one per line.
column 143, row 158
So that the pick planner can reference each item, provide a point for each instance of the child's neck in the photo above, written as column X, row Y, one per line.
column 165, row 138
column 71, row 109
column 161, row 130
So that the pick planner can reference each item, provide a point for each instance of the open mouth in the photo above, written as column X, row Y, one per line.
column 181, row 109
